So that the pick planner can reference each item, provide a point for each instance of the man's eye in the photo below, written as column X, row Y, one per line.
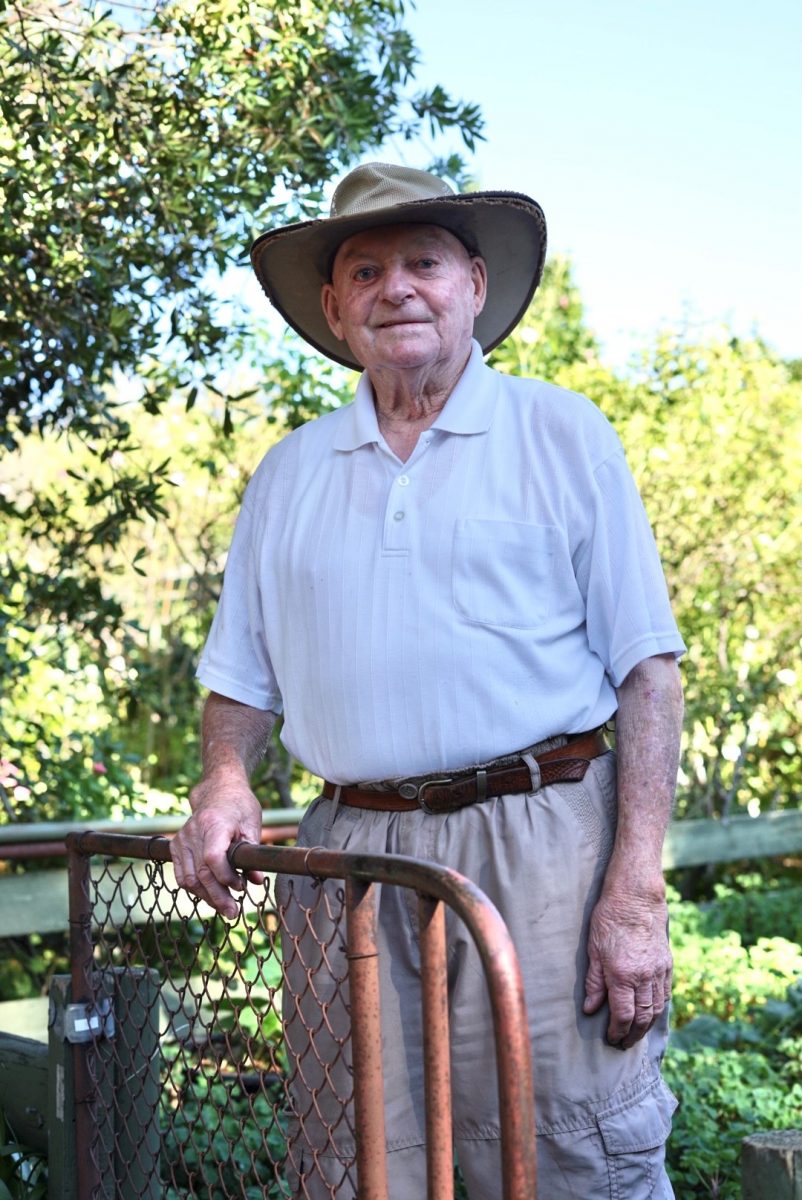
column 364, row 273
column 426, row 264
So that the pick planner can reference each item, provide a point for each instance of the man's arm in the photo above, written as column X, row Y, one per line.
column 630, row 960
column 224, row 809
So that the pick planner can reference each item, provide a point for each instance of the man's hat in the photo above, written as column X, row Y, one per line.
column 508, row 229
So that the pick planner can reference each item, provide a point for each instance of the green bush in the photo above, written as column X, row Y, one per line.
column 735, row 1056
column 728, row 955
column 725, row 1095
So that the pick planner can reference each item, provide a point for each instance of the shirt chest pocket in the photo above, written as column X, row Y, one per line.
column 503, row 572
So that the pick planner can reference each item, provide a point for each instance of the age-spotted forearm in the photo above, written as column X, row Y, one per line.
column 234, row 739
column 224, row 809
column 629, row 956
column 648, row 727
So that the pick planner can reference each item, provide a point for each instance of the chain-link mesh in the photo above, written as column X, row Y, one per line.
column 223, row 1060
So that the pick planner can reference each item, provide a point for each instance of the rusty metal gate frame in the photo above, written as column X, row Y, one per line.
column 436, row 887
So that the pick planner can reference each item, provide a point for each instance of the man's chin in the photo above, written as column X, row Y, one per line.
column 414, row 344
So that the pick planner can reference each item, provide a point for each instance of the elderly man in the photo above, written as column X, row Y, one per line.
column 448, row 588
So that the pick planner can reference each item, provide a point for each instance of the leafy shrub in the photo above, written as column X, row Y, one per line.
column 756, row 908
column 735, row 1056
column 714, row 972
column 213, row 1140
column 725, row 1095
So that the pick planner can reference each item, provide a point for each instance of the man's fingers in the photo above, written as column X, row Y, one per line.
column 202, row 868
column 201, row 850
column 215, row 893
column 622, row 1014
column 595, row 988
column 634, row 1011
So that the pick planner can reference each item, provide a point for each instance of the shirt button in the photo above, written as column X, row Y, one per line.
column 403, row 480
column 398, row 516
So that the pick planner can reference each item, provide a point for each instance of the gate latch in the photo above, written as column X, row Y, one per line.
column 88, row 1022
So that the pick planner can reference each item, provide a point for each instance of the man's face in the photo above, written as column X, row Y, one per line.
column 405, row 297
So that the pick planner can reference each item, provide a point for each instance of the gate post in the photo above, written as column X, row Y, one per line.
column 62, row 1158
column 366, row 1040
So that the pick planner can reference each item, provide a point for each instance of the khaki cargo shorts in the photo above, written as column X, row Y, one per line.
column 603, row 1114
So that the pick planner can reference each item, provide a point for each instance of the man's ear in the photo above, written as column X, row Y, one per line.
column 479, row 277
column 331, row 310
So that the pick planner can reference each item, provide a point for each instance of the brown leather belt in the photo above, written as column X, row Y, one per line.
column 565, row 764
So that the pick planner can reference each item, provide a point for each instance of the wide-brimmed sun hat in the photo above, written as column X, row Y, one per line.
column 508, row 229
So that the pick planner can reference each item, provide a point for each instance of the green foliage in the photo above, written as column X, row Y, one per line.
column 27, row 964
column 729, row 954
column 214, row 1139
column 138, row 156
column 717, row 448
column 103, row 722
column 552, row 335
column 713, row 433
column 726, row 1094
column 140, row 149
column 757, row 907
column 735, row 1054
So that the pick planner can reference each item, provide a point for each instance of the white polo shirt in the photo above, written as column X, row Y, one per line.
column 416, row 617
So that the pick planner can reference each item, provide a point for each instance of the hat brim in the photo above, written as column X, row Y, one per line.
column 508, row 229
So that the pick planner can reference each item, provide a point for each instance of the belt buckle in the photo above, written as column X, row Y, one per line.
column 424, row 807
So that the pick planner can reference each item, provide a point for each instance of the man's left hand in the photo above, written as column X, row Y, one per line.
column 630, row 963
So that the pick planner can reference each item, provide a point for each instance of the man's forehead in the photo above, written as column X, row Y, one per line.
column 409, row 235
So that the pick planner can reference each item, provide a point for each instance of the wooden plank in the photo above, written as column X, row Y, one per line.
column 24, row 1071
column 693, row 843
column 36, row 902
column 55, row 831
column 25, row 1018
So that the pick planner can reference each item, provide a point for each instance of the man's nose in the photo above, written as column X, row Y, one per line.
column 397, row 284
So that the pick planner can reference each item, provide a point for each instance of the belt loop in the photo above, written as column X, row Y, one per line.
column 534, row 769
column 481, row 786
column 335, row 804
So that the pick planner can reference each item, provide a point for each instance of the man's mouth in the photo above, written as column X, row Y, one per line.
column 405, row 321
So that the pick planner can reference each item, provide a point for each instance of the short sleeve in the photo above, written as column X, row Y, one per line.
column 629, row 615
column 235, row 661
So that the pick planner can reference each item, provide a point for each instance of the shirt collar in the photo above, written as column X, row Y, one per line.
column 469, row 408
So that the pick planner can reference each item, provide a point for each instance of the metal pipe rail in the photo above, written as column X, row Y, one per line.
column 437, row 888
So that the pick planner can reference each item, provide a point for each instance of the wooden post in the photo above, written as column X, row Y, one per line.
column 125, row 1142
column 23, row 1063
column 62, row 1151
column 771, row 1166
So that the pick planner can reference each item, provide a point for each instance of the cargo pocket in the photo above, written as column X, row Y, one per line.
column 634, row 1139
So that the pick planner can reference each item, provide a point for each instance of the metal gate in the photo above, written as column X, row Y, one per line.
column 183, row 1077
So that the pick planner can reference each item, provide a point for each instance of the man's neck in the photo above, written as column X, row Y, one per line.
column 408, row 402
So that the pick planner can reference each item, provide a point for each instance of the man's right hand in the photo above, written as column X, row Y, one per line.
column 224, row 812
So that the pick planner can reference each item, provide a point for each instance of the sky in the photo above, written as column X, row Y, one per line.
column 663, row 138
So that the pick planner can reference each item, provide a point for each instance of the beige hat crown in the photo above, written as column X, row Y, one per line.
column 507, row 228
column 375, row 186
